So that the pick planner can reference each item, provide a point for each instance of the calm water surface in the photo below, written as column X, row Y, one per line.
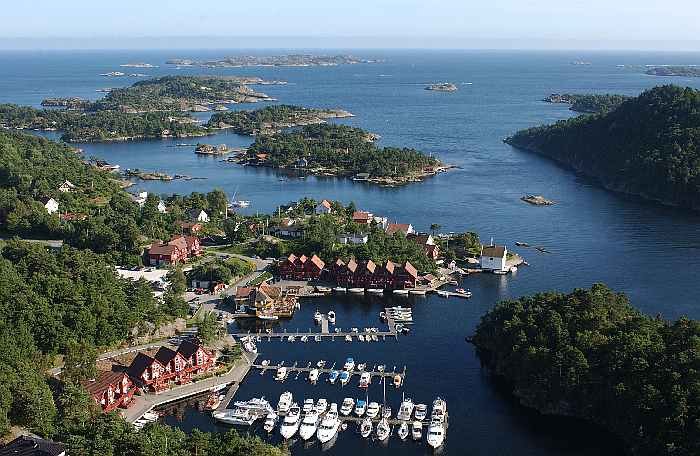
column 648, row 251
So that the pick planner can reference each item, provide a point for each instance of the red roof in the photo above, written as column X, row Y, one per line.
column 411, row 270
column 103, row 381
column 396, row 227
column 291, row 258
column 318, row 262
column 352, row 265
column 325, row 203
column 139, row 365
column 389, row 267
column 361, row 216
column 243, row 292
column 162, row 249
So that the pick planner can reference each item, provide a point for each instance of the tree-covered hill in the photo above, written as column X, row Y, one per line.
column 591, row 355
column 272, row 119
column 648, row 146
column 588, row 103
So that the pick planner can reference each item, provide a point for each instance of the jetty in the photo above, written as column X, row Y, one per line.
column 326, row 333
column 149, row 401
column 296, row 368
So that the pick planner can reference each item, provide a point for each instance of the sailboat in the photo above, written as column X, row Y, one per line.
column 383, row 429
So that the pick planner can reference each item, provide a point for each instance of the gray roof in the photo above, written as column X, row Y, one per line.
column 32, row 446
column 495, row 251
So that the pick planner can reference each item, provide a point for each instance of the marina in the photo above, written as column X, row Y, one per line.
column 297, row 368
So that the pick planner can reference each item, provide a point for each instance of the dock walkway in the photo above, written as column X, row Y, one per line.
column 295, row 368
column 148, row 401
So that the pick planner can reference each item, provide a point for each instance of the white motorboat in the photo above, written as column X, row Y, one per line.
column 443, row 294
column 344, row 377
column 265, row 362
column 421, row 412
column 401, row 292
column 291, row 338
column 329, row 425
column 436, row 434
column 360, row 407
column 383, row 430
column 323, row 289
column 372, row 410
column 386, row 411
column 376, row 291
column 318, row 317
column 398, row 380
column 361, row 367
column 439, row 410
column 417, row 430
column 150, row 416
column 284, row 403
column 366, row 428
column 240, row 203
column 349, row 364
column 361, row 337
column 347, row 406
column 309, row 425
column 416, row 291
column 405, row 410
column 236, row 416
column 321, row 406
column 308, row 406
column 304, row 338
column 313, row 375
column 356, row 290
column 291, row 422
column 281, row 374
column 331, row 317
column 403, row 431
column 348, row 338
column 270, row 421
column 340, row 289
column 257, row 405
column 321, row 363
column 250, row 347
column 375, row 338
column 365, row 379
column 317, row 338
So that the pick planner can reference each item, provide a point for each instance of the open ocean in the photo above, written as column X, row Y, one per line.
column 648, row 251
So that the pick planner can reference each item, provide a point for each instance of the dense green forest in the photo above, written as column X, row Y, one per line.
column 178, row 93
column 271, row 119
column 588, row 103
column 648, row 146
column 590, row 354
column 339, row 149
column 682, row 71
column 100, row 125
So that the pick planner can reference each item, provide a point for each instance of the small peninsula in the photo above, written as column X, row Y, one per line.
column 649, row 146
column 339, row 150
column 442, row 87
column 687, row 71
column 289, row 60
column 590, row 355
column 273, row 119
column 587, row 103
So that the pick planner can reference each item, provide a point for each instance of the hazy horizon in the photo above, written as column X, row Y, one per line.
column 361, row 24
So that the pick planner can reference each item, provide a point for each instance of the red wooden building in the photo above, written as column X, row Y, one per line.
column 147, row 373
column 301, row 268
column 175, row 366
column 178, row 250
column 197, row 358
column 111, row 390
column 367, row 274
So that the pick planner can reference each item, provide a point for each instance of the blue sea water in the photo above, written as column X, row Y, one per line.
column 648, row 251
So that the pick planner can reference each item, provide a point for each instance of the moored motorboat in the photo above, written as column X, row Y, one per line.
column 386, row 411
column 333, row 376
column 360, row 407
column 309, row 425
column 281, row 374
column 436, row 434
column 331, row 317
column 405, row 410
column 383, row 430
column 403, row 431
column 236, row 416
column 348, row 338
column 417, row 291
column 290, row 424
column 346, row 406
column 321, row 406
column 313, row 375
column 356, row 290
column 366, row 428
column 284, row 403
column 308, row 406
column 376, row 291
column 372, row 410
column 417, row 430
column 318, row 316
column 344, row 377
column 401, row 292
column 398, row 380
column 421, row 411
column 340, row 289
column 329, row 425
column 270, row 421
column 365, row 379
column 349, row 364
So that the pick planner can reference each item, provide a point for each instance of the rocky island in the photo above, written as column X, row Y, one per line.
column 273, row 119
column 587, row 103
column 537, row 200
column 442, row 87
column 339, row 150
column 303, row 60
column 649, row 146
column 208, row 149
column 688, row 71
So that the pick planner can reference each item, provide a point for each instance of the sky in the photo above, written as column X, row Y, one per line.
column 468, row 24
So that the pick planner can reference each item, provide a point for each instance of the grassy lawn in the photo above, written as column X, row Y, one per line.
column 260, row 279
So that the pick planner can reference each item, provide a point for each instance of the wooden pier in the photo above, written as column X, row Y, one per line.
column 296, row 368
column 326, row 333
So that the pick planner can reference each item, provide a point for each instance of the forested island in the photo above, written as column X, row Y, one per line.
column 303, row 60
column 648, row 146
column 272, row 119
column 104, row 125
column 589, row 354
column 682, row 71
column 587, row 103
column 339, row 150
column 70, row 304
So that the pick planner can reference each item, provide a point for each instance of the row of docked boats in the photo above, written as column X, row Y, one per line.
column 341, row 376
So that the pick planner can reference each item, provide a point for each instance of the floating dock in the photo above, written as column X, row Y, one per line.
column 296, row 368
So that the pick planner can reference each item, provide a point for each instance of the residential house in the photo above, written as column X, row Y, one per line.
column 139, row 198
column 243, row 293
column 289, row 228
column 271, row 301
column 381, row 222
column 301, row 268
column 197, row 358
column 111, row 390
column 29, row 445
column 493, row 257
column 324, row 207
column 66, row 186
column 175, row 366
column 405, row 228
column 162, row 208
column 191, row 228
column 367, row 274
column 362, row 217
column 190, row 244
column 431, row 249
column 359, row 238
column 178, row 250
column 50, row 204
column 198, row 215
column 147, row 373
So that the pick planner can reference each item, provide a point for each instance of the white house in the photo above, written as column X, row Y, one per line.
column 360, row 238
column 198, row 215
column 162, row 208
column 493, row 257
column 66, row 186
column 324, row 207
column 381, row 222
column 140, row 198
column 50, row 204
